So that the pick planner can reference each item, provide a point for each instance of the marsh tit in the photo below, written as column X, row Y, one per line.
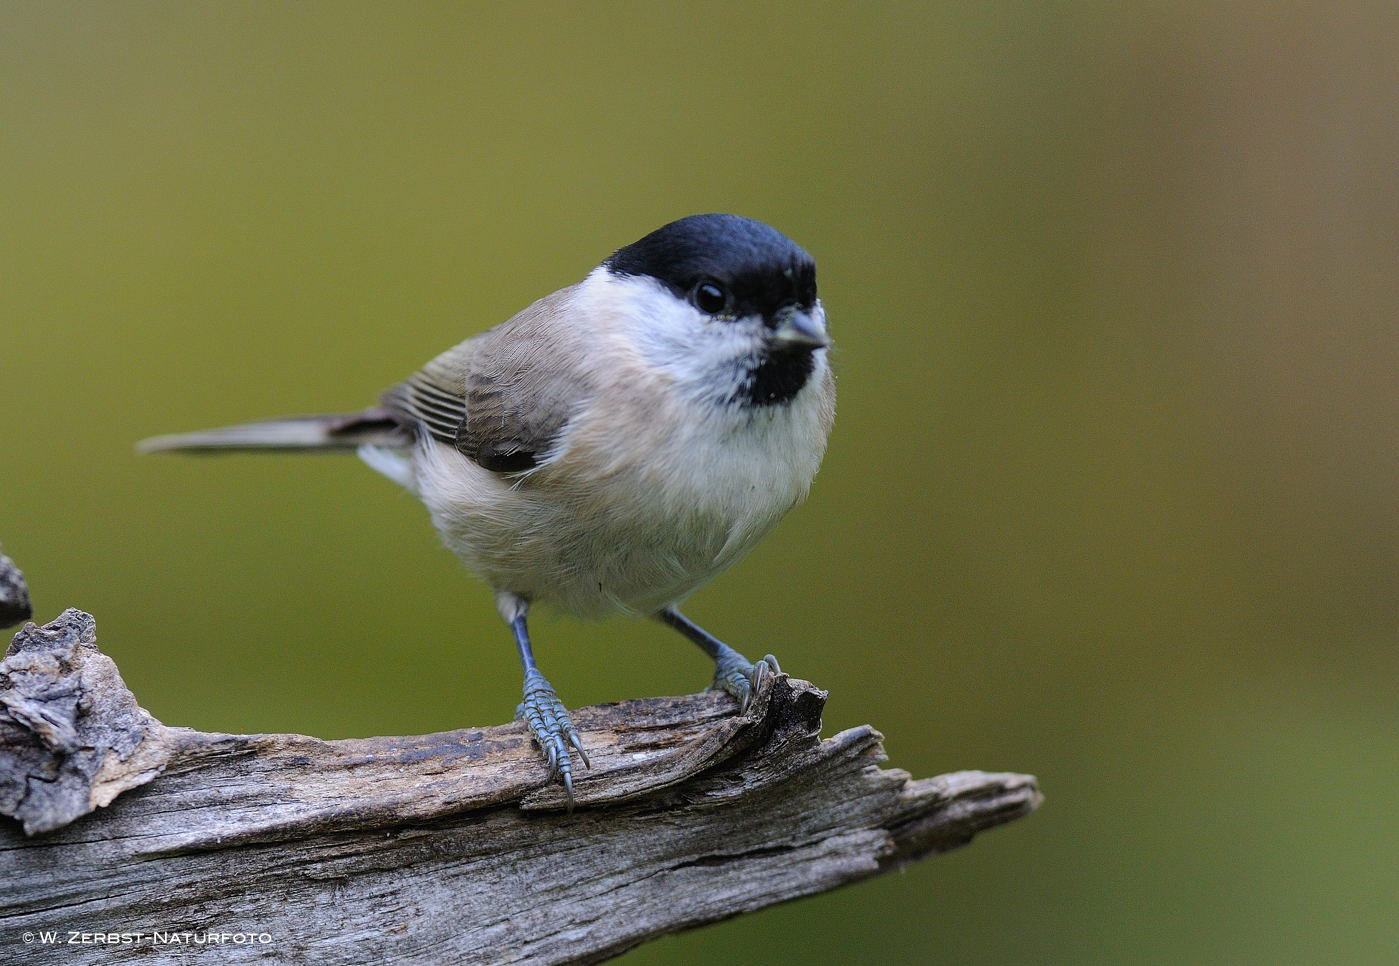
column 613, row 446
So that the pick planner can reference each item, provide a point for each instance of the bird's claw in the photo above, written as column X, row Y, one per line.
column 734, row 674
column 553, row 730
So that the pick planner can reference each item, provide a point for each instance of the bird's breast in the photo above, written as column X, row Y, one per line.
column 641, row 503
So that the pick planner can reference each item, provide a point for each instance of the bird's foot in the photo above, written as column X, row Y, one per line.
column 553, row 730
column 735, row 674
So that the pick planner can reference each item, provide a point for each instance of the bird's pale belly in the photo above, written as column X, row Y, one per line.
column 619, row 545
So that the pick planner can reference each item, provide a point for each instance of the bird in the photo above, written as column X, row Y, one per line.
column 611, row 447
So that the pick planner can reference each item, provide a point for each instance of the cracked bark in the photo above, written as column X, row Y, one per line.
column 437, row 848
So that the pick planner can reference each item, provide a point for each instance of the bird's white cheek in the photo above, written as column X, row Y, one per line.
column 670, row 340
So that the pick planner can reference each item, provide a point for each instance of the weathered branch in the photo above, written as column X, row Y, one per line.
column 14, row 594
column 440, row 848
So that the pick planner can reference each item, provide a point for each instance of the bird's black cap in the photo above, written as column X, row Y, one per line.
column 763, row 268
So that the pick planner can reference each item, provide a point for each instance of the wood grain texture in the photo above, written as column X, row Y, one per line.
column 442, row 848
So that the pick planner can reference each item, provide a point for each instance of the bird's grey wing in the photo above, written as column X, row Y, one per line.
column 503, row 397
column 434, row 397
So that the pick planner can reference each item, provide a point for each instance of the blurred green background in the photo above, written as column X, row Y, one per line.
column 1111, row 495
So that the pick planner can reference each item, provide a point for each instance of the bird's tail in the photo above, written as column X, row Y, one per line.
column 373, row 427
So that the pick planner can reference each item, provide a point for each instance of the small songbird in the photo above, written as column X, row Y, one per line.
column 613, row 446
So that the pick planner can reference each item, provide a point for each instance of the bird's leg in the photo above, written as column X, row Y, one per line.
column 733, row 672
column 541, row 709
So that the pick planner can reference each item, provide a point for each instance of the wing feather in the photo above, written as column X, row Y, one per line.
column 496, row 397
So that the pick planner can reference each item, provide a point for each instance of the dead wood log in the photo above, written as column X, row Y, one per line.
column 438, row 848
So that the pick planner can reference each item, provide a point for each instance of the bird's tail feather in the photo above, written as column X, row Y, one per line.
column 349, row 431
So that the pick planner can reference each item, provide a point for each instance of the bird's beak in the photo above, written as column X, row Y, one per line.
column 796, row 329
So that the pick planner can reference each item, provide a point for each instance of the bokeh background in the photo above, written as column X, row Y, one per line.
column 1111, row 495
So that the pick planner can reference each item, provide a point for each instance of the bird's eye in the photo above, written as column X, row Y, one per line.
column 710, row 298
